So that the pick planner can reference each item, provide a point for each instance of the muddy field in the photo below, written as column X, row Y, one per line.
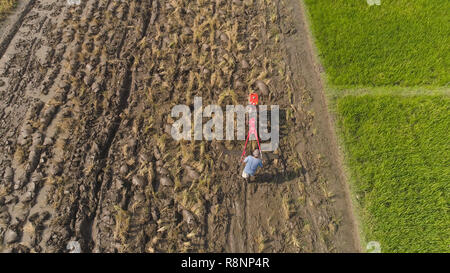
column 85, row 151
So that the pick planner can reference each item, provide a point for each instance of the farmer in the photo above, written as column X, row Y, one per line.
column 253, row 162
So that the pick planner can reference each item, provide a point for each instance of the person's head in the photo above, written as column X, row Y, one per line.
column 256, row 153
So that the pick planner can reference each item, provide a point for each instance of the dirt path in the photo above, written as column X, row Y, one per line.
column 85, row 154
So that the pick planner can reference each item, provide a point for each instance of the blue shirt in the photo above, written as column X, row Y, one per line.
column 252, row 164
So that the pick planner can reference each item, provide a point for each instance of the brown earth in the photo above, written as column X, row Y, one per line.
column 86, row 93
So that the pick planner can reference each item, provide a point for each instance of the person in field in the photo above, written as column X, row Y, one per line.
column 252, row 163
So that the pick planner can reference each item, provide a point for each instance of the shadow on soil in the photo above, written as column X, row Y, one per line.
column 274, row 178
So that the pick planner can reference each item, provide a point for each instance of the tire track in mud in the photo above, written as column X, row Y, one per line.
column 112, row 131
column 88, row 231
column 15, row 28
column 123, row 104
column 84, row 225
column 23, row 175
column 147, row 22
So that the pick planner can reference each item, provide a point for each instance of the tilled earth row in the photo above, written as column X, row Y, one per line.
column 86, row 153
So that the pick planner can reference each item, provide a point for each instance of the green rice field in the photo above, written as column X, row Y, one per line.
column 398, row 150
column 399, row 43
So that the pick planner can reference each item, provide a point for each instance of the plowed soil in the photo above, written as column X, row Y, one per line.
column 85, row 151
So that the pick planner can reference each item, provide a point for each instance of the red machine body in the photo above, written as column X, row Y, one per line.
column 253, row 99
